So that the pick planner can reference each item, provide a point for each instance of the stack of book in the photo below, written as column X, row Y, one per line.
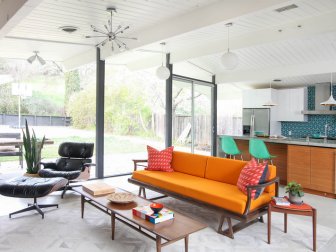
column 98, row 188
column 281, row 201
column 146, row 213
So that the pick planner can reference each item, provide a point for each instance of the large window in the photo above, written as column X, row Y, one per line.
column 60, row 106
column 134, row 117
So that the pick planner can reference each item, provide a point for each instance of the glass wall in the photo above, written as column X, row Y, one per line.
column 56, row 104
column 134, row 117
column 192, row 116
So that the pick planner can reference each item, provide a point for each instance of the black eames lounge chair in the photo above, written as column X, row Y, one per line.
column 74, row 163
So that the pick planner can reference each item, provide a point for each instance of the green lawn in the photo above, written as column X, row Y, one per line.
column 113, row 144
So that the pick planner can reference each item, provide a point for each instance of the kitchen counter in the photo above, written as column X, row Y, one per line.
column 294, row 141
column 311, row 163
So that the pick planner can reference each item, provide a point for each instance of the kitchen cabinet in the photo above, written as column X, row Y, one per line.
column 298, row 164
column 255, row 98
column 312, row 167
column 322, row 168
column 291, row 103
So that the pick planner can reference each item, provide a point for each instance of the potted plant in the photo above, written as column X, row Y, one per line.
column 32, row 150
column 295, row 192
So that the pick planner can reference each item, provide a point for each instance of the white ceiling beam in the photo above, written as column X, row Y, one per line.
column 309, row 27
column 267, row 74
column 14, row 11
column 200, row 18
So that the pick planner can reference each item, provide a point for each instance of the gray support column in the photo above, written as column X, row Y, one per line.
column 100, row 96
column 214, row 117
column 169, row 104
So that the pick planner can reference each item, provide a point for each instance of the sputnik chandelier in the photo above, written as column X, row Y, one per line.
column 113, row 36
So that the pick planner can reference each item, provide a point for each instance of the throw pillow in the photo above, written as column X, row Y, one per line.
column 253, row 173
column 160, row 160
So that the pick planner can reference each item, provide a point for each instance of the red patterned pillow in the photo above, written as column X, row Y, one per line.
column 160, row 160
column 253, row 173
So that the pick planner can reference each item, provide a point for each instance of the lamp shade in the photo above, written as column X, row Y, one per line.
column 330, row 102
column 229, row 60
column 162, row 73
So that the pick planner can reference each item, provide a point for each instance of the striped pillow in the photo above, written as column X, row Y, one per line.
column 160, row 160
column 253, row 173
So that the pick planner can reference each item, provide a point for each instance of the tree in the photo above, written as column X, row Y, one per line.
column 72, row 85
column 8, row 102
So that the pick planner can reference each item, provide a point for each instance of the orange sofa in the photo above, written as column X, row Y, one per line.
column 209, row 181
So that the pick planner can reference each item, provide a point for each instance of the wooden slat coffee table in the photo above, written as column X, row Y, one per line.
column 169, row 231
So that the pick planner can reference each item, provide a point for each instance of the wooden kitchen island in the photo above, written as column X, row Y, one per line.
column 310, row 163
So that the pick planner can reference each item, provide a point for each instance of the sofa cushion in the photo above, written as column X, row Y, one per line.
column 192, row 164
column 216, row 193
column 253, row 173
column 160, row 160
column 224, row 169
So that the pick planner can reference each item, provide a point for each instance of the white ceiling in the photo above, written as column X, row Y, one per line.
column 195, row 33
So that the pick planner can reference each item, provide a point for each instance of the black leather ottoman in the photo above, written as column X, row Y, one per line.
column 31, row 187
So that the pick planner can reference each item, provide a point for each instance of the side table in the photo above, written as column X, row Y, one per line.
column 303, row 209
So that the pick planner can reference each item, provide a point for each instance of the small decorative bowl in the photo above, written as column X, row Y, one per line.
column 156, row 207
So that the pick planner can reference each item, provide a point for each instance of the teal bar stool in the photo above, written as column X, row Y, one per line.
column 229, row 147
column 258, row 149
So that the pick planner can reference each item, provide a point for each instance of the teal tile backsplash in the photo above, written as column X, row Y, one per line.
column 315, row 123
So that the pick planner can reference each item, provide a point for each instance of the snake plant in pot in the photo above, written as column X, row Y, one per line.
column 32, row 150
column 295, row 192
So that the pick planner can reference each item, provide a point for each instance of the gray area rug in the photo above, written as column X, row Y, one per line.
column 64, row 230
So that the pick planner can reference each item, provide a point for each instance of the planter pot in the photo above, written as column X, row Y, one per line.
column 295, row 199
column 31, row 175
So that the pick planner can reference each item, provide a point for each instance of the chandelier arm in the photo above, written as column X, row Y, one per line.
column 111, row 22
column 118, row 28
column 102, row 42
column 124, row 44
column 122, row 30
column 96, row 36
column 127, row 38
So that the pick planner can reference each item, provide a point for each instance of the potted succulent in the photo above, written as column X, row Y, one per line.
column 32, row 150
column 295, row 192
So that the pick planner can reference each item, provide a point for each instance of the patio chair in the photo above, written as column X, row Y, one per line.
column 74, row 164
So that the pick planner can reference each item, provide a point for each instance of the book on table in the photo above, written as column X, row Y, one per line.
column 98, row 188
column 281, row 201
column 146, row 213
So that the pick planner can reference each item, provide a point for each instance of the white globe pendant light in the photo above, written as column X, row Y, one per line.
column 229, row 59
column 163, row 72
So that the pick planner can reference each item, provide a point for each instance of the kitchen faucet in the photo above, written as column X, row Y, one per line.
column 326, row 127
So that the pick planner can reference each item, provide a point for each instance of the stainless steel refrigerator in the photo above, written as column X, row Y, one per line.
column 256, row 120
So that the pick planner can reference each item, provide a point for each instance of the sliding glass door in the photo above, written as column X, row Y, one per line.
column 192, row 116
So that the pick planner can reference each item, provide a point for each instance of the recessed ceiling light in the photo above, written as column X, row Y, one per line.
column 68, row 28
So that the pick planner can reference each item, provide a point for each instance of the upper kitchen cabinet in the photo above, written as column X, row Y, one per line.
column 255, row 98
column 291, row 103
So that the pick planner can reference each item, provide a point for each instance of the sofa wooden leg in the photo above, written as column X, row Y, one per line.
column 142, row 191
column 261, row 219
column 227, row 232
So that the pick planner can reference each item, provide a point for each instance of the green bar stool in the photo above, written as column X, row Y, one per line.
column 229, row 147
column 258, row 149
